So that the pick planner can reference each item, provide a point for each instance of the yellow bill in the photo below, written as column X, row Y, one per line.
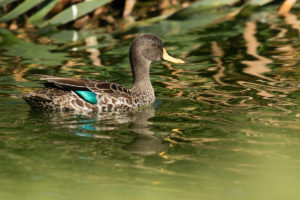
column 167, row 57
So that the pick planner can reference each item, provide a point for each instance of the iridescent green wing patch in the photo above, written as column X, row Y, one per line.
column 88, row 96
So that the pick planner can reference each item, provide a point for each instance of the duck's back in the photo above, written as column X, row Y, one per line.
column 82, row 95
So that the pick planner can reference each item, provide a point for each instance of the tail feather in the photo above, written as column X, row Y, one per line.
column 44, row 99
column 38, row 102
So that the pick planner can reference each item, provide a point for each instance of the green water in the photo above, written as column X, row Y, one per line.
column 226, row 125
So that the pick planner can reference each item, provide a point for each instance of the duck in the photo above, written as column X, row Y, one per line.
column 91, row 95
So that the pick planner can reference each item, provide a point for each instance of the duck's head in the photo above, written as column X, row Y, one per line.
column 149, row 47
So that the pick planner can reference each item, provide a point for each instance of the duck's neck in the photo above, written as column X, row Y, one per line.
column 141, row 77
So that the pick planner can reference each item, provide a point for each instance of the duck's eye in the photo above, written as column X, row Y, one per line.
column 152, row 53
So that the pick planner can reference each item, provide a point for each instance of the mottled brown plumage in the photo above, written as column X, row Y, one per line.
column 102, row 96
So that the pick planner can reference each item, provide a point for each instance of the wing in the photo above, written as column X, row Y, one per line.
column 64, row 83
column 97, row 87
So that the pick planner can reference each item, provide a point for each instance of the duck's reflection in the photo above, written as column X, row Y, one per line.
column 145, row 142
column 97, row 126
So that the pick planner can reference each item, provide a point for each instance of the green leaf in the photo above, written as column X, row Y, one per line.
column 198, row 7
column 37, row 18
column 259, row 2
column 4, row 2
column 188, row 23
column 30, row 52
column 76, row 11
column 22, row 8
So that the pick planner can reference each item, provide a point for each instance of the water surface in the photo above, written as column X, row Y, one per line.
column 224, row 126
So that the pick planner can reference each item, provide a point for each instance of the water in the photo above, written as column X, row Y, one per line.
column 224, row 126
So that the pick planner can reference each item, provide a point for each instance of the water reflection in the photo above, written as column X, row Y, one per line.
column 94, row 52
column 258, row 67
column 218, row 53
column 145, row 143
column 98, row 126
column 292, row 20
column 264, row 81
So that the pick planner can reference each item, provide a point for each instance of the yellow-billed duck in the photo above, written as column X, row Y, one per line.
column 102, row 96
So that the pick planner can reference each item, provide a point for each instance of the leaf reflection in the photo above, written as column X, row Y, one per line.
column 218, row 53
column 259, row 66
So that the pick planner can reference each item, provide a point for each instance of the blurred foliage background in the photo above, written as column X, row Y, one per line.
column 42, row 32
column 113, row 15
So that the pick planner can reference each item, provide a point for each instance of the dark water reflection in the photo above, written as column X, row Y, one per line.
column 225, row 125
column 86, row 125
